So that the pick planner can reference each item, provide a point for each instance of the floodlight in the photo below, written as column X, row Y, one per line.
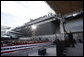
column 75, row 14
column 33, row 27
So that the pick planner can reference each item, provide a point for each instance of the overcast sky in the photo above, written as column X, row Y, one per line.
column 16, row 13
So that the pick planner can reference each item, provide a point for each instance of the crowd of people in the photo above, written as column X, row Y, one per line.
column 17, row 42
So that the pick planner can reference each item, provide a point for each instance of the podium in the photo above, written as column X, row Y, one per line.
column 42, row 51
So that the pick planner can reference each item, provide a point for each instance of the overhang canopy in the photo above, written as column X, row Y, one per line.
column 66, row 7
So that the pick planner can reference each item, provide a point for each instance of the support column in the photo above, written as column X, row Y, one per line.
column 33, row 35
column 61, row 29
column 60, row 44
